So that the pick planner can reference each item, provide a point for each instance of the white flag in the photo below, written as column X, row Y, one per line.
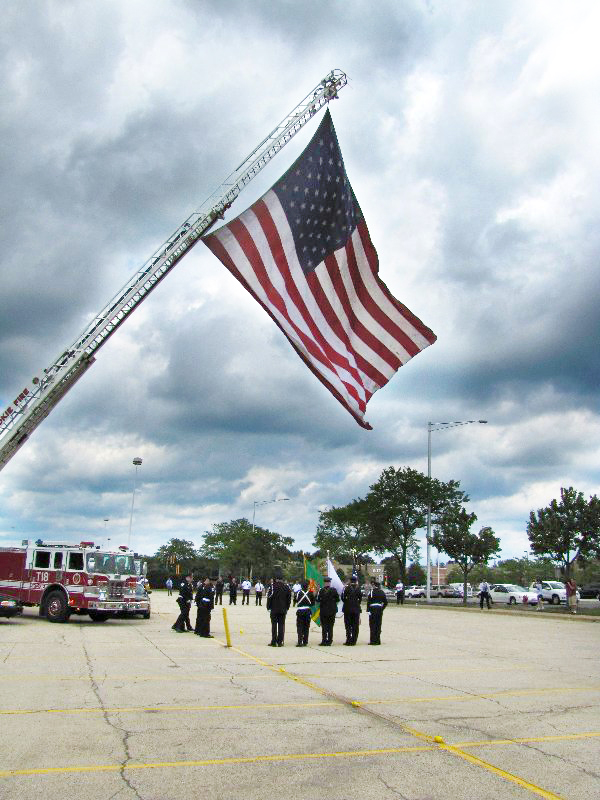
column 335, row 582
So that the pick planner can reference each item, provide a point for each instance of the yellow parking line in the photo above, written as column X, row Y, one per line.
column 438, row 745
column 281, row 670
column 508, row 776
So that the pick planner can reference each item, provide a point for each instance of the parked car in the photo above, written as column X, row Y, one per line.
column 448, row 591
column 416, row 591
column 9, row 606
column 512, row 594
column 553, row 592
column 590, row 591
column 459, row 588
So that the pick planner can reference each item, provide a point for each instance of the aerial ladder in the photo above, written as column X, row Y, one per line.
column 34, row 403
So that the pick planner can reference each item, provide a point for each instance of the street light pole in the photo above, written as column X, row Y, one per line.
column 438, row 426
column 263, row 503
column 137, row 462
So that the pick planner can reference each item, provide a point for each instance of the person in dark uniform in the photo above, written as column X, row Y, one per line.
column 328, row 598
column 279, row 598
column 205, row 601
column 184, row 601
column 219, row 583
column 233, row 587
column 351, row 598
column 376, row 602
column 305, row 599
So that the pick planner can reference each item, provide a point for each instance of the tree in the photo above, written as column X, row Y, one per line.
column 416, row 575
column 566, row 530
column 240, row 547
column 396, row 507
column 177, row 553
column 452, row 535
column 344, row 532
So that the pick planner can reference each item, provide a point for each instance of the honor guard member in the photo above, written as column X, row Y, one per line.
column 351, row 598
column 246, row 586
column 328, row 598
column 184, row 601
column 376, row 602
column 279, row 598
column 233, row 587
column 305, row 599
column 219, row 590
column 258, row 593
column 205, row 601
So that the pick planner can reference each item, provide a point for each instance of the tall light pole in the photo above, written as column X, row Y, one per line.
column 431, row 427
column 262, row 503
column 137, row 462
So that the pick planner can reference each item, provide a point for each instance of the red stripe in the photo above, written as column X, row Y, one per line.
column 278, row 252
column 357, row 326
column 373, row 262
column 246, row 242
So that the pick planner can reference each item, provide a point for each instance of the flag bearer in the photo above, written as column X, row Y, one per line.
column 328, row 598
column 304, row 600
column 205, row 603
column 351, row 598
column 376, row 602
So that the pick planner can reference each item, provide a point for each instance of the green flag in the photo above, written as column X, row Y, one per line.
column 315, row 581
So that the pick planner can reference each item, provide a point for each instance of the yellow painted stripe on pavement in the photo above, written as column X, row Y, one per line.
column 508, row 776
column 291, row 676
column 11, row 773
column 456, row 749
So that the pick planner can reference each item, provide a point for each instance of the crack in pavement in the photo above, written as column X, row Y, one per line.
column 121, row 732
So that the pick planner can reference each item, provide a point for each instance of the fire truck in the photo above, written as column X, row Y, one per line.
column 65, row 579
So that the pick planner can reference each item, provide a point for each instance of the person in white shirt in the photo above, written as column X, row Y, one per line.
column 295, row 589
column 484, row 595
column 258, row 593
column 246, row 586
column 399, row 593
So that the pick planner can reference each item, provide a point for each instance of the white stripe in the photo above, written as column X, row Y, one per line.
column 237, row 255
column 297, row 273
column 278, row 282
column 380, row 298
column 364, row 316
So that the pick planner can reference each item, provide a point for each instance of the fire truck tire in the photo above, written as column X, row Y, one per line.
column 146, row 615
column 98, row 616
column 57, row 609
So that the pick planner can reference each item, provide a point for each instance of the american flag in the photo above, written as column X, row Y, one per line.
column 304, row 253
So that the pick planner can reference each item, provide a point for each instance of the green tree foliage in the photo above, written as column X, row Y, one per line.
column 452, row 535
column 345, row 533
column 567, row 529
column 396, row 507
column 243, row 550
column 177, row 551
column 415, row 575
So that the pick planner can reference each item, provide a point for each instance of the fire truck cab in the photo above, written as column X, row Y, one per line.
column 64, row 579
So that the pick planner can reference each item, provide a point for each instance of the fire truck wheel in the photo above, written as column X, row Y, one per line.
column 57, row 609
column 98, row 616
column 146, row 615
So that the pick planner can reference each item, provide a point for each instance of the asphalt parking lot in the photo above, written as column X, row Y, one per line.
column 471, row 705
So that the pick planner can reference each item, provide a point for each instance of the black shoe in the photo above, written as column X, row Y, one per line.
column 272, row 644
column 279, row 644
column 299, row 644
column 322, row 644
column 208, row 636
column 347, row 644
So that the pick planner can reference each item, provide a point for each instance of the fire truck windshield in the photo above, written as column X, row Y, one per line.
column 110, row 563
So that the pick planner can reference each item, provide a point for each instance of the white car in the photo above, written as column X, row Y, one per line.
column 512, row 594
column 416, row 591
column 552, row 592
column 459, row 587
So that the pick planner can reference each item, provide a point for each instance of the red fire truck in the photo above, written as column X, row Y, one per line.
column 64, row 579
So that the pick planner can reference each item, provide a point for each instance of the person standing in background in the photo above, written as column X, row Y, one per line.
column 258, row 593
column 219, row 590
column 169, row 585
column 376, row 603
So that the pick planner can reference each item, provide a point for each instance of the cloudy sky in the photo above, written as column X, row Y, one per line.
column 470, row 135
